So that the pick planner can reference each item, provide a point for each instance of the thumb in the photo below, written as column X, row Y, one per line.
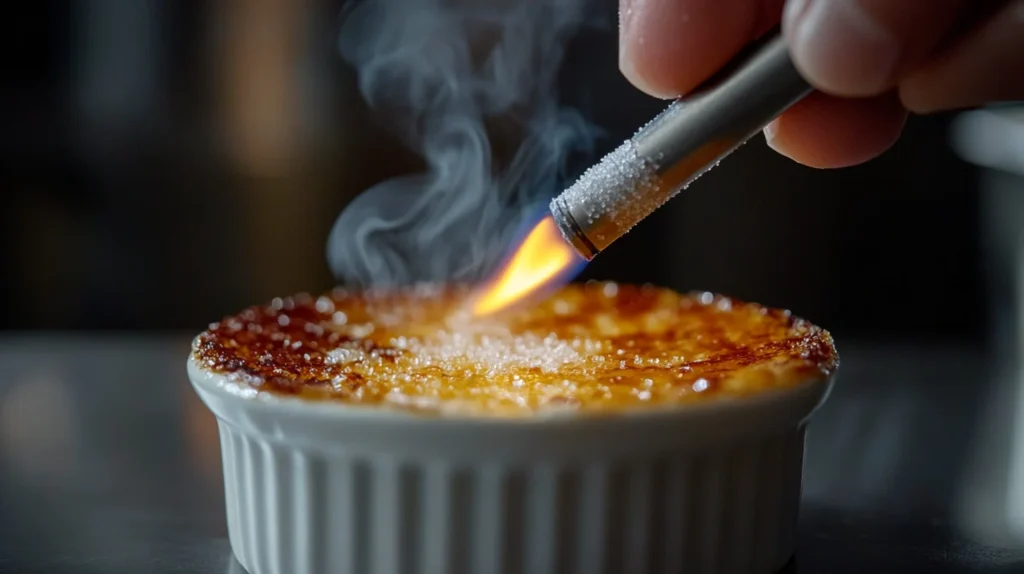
column 860, row 47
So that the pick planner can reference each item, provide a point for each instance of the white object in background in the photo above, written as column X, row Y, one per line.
column 992, row 501
column 315, row 487
column 991, row 138
column 1015, row 497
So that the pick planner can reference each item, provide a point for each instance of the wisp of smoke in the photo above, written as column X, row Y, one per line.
column 441, row 70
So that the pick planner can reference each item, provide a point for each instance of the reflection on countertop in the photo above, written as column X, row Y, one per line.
column 109, row 463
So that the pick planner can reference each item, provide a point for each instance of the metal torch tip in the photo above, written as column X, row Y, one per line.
column 571, row 230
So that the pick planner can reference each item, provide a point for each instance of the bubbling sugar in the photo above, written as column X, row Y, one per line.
column 505, row 353
column 345, row 355
column 600, row 347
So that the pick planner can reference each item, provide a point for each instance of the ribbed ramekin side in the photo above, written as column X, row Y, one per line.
column 729, row 510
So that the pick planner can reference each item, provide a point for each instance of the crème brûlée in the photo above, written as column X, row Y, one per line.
column 589, row 348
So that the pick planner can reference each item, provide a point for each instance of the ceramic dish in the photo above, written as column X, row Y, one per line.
column 325, row 481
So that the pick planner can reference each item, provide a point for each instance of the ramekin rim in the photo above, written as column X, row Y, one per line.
column 244, row 395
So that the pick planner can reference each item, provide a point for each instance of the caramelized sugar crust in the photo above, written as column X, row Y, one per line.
column 594, row 347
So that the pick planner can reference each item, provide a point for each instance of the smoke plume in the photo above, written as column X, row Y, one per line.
column 441, row 72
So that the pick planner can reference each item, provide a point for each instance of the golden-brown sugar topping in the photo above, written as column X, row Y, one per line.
column 594, row 347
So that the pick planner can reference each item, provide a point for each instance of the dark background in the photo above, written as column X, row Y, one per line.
column 163, row 163
column 167, row 162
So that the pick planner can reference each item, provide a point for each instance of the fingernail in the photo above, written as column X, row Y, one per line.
column 840, row 47
column 769, row 134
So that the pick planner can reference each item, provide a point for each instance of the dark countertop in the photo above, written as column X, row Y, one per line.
column 110, row 464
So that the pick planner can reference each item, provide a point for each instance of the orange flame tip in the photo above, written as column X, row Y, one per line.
column 540, row 261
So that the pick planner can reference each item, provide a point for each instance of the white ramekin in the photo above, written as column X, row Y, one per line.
column 319, row 487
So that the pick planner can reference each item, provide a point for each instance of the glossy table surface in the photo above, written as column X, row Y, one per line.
column 110, row 464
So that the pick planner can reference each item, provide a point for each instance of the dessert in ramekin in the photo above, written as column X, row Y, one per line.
column 608, row 429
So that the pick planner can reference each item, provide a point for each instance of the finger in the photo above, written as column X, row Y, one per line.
column 824, row 131
column 986, row 65
column 860, row 47
column 668, row 47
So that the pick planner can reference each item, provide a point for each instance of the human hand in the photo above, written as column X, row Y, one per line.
column 872, row 61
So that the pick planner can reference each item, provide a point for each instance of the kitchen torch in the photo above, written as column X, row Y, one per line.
column 687, row 139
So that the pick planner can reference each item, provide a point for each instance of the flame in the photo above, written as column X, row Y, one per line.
column 542, row 258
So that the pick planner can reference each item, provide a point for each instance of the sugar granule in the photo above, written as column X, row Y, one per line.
column 497, row 353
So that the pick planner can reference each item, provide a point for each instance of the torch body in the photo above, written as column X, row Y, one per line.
column 690, row 137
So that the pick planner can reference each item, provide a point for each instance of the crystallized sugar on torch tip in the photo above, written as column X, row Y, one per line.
column 622, row 189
